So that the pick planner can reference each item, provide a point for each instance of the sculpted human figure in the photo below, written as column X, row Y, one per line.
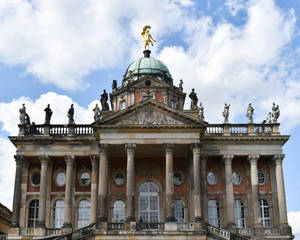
column 27, row 119
column 275, row 113
column 194, row 100
column 103, row 100
column 181, row 85
column 114, row 85
column 269, row 118
column 48, row 114
column 22, row 112
column 71, row 115
column 249, row 113
column 201, row 112
column 147, row 37
column 225, row 113
column 97, row 113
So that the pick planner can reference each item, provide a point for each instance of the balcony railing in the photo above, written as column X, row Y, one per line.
column 27, row 231
column 185, row 226
column 3, row 236
column 116, row 226
column 150, row 226
column 241, row 129
column 58, row 130
column 53, row 231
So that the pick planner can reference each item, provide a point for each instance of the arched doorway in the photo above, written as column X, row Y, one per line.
column 148, row 202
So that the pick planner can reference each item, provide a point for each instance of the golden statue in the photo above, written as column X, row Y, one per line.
column 147, row 38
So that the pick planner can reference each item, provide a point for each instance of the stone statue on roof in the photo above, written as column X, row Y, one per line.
column 147, row 37
column 103, row 100
column 97, row 113
column 249, row 114
column 71, row 115
column 225, row 113
column 275, row 113
column 48, row 114
column 201, row 112
column 23, row 113
column 194, row 100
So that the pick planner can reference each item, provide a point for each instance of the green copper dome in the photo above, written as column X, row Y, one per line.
column 147, row 66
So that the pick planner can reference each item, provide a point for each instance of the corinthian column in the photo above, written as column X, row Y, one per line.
column 169, row 148
column 43, row 190
column 280, row 189
column 103, row 183
column 94, row 187
column 197, row 188
column 17, row 192
column 229, row 191
column 68, row 192
column 130, row 186
column 254, row 190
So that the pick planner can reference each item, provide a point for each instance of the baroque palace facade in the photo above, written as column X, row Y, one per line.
column 148, row 169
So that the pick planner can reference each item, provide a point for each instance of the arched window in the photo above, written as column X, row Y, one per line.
column 179, row 210
column 239, row 213
column 119, row 211
column 213, row 213
column 148, row 202
column 84, row 213
column 265, row 213
column 33, row 213
column 58, row 214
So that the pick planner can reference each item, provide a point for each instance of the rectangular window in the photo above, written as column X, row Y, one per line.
column 122, row 105
column 213, row 213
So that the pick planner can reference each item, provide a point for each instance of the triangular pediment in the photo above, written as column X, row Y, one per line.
column 150, row 112
column 149, row 81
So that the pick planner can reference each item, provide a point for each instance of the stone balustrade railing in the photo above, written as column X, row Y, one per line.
column 26, row 231
column 53, row 231
column 242, row 129
column 56, row 130
column 150, row 226
column 3, row 236
column 185, row 226
column 116, row 226
column 211, row 130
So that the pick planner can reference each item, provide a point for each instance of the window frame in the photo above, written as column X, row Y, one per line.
column 239, row 216
column 177, row 211
column 121, row 217
column 86, row 219
column 264, row 207
column 214, row 217
column 32, row 221
column 61, row 213
column 216, row 177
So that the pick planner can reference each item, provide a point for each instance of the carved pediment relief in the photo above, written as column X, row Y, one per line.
column 150, row 82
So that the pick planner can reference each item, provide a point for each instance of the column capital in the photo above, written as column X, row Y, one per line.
column 169, row 147
column 130, row 146
column 227, row 159
column 69, row 160
column 94, row 158
column 196, row 146
column 278, row 158
column 103, row 148
column 19, row 159
column 252, row 158
column 45, row 159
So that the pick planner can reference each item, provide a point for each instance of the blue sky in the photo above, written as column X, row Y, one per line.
column 234, row 51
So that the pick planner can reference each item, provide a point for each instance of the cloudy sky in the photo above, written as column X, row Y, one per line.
column 234, row 51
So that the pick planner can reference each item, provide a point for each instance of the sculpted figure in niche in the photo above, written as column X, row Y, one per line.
column 22, row 112
column 48, row 114
column 201, row 112
column 194, row 100
column 71, row 115
column 275, row 113
column 103, row 100
column 97, row 113
column 225, row 113
column 249, row 113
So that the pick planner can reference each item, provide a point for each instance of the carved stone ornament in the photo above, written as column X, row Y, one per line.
column 147, row 116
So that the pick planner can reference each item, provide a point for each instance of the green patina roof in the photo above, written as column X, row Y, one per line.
column 147, row 66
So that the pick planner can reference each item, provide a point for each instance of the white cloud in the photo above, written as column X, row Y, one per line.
column 294, row 221
column 235, row 6
column 240, row 64
column 60, row 42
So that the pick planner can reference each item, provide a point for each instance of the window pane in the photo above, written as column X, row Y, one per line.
column 33, row 213
column 58, row 214
column 148, row 202
column 239, row 213
column 179, row 210
column 265, row 213
column 213, row 213
column 84, row 210
column 119, row 211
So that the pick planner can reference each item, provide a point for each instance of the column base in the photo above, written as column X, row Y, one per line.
column 66, row 228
